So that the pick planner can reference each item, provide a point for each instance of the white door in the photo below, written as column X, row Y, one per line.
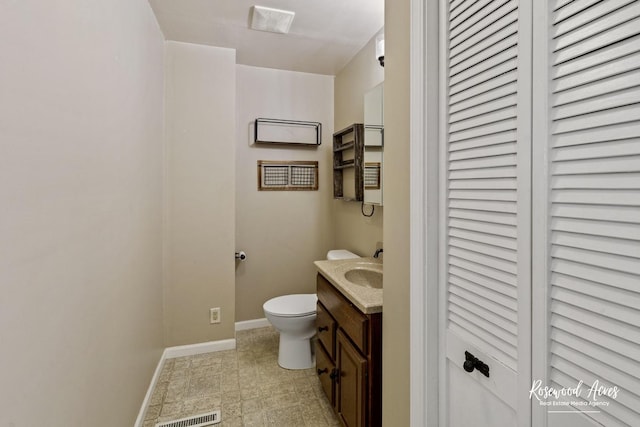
column 587, row 209
column 486, row 212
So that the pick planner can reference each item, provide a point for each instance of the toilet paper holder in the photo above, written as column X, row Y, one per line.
column 241, row 256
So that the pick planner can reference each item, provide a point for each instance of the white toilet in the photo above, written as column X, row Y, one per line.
column 294, row 317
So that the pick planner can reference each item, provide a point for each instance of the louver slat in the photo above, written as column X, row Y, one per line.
column 619, row 50
column 613, row 35
column 487, row 12
column 597, row 352
column 490, row 322
column 597, row 291
column 560, row 380
column 594, row 22
column 459, row 6
column 501, row 293
column 620, row 216
column 561, row 3
column 506, row 78
column 482, row 186
column 502, row 242
column 595, row 337
column 483, row 299
column 483, row 248
column 622, row 247
column 495, row 97
column 594, row 201
column 487, row 338
column 604, row 276
column 506, row 39
column 610, row 375
column 504, row 113
column 598, row 103
column 495, row 172
column 483, row 141
column 622, row 148
column 572, row 9
column 471, row 45
column 510, row 63
column 579, row 20
column 483, row 227
column 604, row 78
column 611, row 181
column 619, row 408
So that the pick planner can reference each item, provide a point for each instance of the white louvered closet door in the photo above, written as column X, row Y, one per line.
column 486, row 211
column 587, row 206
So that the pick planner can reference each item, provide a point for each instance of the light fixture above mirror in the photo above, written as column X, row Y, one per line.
column 380, row 48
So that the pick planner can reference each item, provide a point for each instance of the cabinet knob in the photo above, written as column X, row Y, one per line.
column 323, row 328
column 335, row 374
column 471, row 362
column 322, row 371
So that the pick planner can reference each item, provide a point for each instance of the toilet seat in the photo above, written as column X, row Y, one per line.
column 296, row 305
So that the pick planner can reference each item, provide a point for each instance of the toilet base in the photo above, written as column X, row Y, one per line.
column 295, row 353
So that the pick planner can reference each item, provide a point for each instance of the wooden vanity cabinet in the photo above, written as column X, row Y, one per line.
column 349, row 357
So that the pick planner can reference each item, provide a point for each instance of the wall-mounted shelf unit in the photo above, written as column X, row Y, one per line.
column 348, row 154
column 287, row 132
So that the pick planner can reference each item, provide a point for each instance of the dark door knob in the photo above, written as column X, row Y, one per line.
column 323, row 328
column 469, row 366
column 471, row 362
column 322, row 371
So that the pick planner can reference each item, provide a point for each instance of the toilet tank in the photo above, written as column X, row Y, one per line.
column 340, row 254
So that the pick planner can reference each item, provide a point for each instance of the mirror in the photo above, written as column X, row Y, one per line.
column 373, row 144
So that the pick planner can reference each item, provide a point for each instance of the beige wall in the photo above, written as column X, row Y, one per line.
column 352, row 230
column 199, row 186
column 395, row 325
column 362, row 73
column 282, row 232
column 81, row 86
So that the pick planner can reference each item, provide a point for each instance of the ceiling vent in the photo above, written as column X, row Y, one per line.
column 272, row 20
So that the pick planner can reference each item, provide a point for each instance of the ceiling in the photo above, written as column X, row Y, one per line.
column 324, row 36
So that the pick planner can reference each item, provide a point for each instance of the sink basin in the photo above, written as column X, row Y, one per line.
column 364, row 277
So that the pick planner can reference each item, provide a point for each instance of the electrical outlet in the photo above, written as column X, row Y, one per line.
column 214, row 315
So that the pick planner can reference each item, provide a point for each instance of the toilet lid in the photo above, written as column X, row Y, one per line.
column 292, row 305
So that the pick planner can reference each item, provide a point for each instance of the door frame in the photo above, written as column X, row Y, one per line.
column 424, row 213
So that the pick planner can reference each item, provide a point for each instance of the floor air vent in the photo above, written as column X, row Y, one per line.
column 201, row 420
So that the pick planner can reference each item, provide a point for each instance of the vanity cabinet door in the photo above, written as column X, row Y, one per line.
column 326, row 330
column 326, row 370
column 351, row 389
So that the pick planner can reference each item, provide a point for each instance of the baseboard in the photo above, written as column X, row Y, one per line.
column 252, row 324
column 147, row 398
column 200, row 348
column 180, row 351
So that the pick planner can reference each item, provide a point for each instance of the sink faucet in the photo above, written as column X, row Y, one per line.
column 378, row 252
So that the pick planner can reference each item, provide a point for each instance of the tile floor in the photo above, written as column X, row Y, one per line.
column 246, row 385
